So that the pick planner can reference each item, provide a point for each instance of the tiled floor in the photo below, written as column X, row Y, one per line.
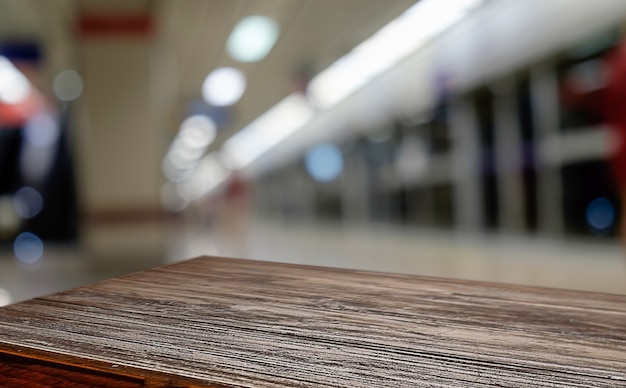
column 531, row 261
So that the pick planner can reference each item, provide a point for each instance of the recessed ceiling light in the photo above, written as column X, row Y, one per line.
column 252, row 38
column 223, row 86
column 197, row 131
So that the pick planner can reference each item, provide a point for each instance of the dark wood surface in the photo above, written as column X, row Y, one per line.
column 213, row 322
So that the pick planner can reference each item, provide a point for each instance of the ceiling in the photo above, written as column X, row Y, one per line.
column 314, row 33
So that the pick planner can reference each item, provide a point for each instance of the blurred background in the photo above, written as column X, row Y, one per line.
column 474, row 139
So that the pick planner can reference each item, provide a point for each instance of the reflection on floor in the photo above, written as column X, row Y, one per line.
column 531, row 261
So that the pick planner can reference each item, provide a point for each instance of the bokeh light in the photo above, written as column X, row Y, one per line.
column 600, row 215
column 197, row 131
column 28, row 202
column 28, row 248
column 68, row 85
column 41, row 130
column 252, row 38
column 173, row 172
column 14, row 87
column 223, row 86
column 324, row 162
column 195, row 135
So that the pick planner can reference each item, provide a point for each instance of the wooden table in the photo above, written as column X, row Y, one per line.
column 213, row 322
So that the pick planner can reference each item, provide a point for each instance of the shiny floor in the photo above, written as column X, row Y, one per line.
column 519, row 260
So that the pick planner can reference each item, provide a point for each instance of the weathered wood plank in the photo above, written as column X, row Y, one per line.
column 214, row 321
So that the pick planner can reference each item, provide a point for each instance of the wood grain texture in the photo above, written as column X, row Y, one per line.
column 18, row 371
column 238, row 323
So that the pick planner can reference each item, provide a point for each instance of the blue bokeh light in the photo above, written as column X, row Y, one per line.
column 28, row 202
column 28, row 248
column 324, row 162
column 600, row 215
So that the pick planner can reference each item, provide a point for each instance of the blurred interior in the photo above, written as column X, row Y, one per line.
column 438, row 137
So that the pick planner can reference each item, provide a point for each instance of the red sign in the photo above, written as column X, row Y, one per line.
column 115, row 25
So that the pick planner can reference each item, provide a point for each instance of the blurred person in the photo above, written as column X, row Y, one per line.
column 615, row 114
column 608, row 103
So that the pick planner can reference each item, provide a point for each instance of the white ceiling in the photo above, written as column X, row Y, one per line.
column 314, row 33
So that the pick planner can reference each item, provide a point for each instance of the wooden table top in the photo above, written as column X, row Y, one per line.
column 212, row 322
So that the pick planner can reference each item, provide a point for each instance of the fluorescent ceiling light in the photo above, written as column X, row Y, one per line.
column 223, row 86
column 385, row 48
column 252, row 38
column 401, row 37
column 267, row 131
column 14, row 87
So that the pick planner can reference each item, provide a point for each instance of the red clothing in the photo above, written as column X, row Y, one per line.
column 15, row 115
column 614, row 109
